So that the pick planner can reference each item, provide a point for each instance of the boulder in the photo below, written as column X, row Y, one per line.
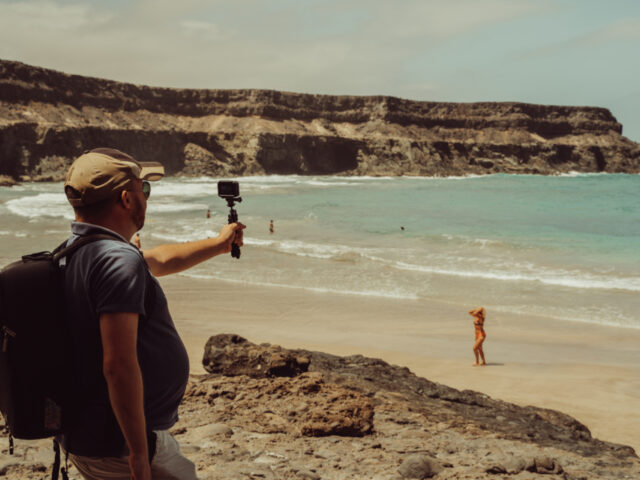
column 232, row 355
column 7, row 181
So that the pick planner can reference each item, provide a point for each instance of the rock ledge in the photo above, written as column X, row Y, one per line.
column 47, row 118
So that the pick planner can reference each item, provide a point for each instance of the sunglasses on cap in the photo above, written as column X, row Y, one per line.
column 146, row 189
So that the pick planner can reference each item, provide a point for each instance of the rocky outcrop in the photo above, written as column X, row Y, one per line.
column 232, row 355
column 269, row 412
column 47, row 118
column 6, row 181
column 408, row 427
column 306, row 405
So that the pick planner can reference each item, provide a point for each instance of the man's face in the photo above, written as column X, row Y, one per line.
column 139, row 205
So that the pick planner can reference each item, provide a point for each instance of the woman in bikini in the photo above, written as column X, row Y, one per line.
column 478, row 322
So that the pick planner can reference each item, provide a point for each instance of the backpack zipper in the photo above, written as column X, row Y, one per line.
column 6, row 333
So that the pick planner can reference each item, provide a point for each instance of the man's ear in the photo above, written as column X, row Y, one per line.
column 124, row 198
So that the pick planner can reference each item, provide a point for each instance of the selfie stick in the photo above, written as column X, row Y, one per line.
column 233, row 218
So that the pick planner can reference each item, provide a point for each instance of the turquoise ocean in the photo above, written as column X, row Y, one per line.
column 564, row 247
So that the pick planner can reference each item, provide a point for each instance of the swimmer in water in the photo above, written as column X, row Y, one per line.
column 478, row 315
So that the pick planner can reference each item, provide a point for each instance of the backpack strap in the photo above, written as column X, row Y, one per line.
column 63, row 251
column 55, row 470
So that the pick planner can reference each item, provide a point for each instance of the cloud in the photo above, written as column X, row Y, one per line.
column 204, row 31
column 329, row 46
column 39, row 18
column 624, row 30
column 441, row 19
column 423, row 49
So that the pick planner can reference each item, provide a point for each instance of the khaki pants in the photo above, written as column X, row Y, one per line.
column 168, row 463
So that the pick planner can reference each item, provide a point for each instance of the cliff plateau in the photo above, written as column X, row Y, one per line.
column 47, row 118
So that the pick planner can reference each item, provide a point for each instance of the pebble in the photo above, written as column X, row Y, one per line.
column 419, row 466
column 309, row 475
column 206, row 431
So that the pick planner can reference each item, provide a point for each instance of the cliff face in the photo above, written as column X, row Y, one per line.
column 48, row 118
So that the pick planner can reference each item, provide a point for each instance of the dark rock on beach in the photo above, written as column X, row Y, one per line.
column 47, row 118
column 6, row 181
column 232, row 355
column 357, row 418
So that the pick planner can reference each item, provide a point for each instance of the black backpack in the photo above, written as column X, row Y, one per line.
column 36, row 386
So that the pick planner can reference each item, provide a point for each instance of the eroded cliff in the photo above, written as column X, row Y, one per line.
column 47, row 118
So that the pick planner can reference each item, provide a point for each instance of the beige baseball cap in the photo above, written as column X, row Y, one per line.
column 96, row 175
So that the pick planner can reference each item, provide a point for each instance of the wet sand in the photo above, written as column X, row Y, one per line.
column 587, row 371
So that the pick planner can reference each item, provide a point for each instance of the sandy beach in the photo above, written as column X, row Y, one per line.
column 587, row 371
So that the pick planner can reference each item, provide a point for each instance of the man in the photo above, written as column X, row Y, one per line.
column 130, row 365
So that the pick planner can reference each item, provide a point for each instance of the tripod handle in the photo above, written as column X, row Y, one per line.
column 235, row 249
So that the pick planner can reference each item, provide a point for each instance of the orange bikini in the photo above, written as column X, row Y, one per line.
column 479, row 324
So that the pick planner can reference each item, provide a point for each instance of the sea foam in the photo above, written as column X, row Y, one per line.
column 397, row 294
column 562, row 278
column 41, row 205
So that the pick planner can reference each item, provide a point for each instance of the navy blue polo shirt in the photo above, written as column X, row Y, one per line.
column 111, row 276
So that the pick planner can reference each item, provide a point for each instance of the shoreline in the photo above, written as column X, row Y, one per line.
column 588, row 371
column 7, row 180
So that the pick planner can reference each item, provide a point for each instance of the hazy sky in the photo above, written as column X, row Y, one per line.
column 567, row 52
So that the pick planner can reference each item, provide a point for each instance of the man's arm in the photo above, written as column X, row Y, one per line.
column 119, row 333
column 174, row 258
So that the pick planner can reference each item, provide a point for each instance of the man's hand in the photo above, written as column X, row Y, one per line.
column 230, row 234
column 177, row 257
column 140, row 468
